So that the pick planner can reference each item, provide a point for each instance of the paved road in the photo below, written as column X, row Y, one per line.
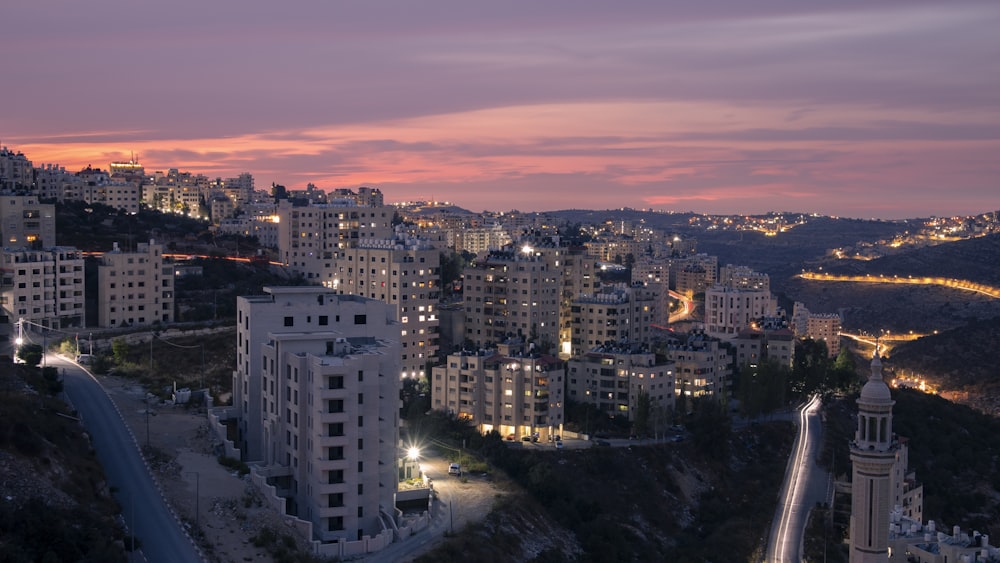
column 806, row 483
column 143, row 507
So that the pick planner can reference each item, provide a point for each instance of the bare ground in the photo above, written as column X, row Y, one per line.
column 182, row 455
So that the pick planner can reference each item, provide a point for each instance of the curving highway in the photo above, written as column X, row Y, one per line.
column 805, row 484
column 143, row 507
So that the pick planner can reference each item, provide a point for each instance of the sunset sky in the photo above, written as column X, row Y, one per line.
column 850, row 108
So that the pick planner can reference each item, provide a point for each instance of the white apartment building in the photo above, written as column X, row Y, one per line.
column 259, row 220
column 403, row 272
column 729, row 310
column 316, row 387
column 752, row 345
column 613, row 315
column 45, row 287
column 818, row 326
column 310, row 236
column 135, row 288
column 478, row 239
column 702, row 367
column 742, row 277
column 16, row 171
column 514, row 391
column 26, row 223
column 516, row 293
column 612, row 378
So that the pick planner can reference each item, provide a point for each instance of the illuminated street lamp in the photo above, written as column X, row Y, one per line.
column 413, row 453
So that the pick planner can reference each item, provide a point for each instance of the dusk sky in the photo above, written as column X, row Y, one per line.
column 858, row 109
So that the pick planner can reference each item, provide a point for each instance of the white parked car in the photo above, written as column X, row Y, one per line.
column 455, row 469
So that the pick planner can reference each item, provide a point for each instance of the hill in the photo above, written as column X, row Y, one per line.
column 55, row 502
column 962, row 360
column 710, row 498
column 972, row 259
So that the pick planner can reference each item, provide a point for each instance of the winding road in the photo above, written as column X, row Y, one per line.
column 805, row 484
column 143, row 507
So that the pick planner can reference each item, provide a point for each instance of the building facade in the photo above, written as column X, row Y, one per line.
column 612, row 378
column 510, row 389
column 45, row 287
column 135, row 288
column 317, row 391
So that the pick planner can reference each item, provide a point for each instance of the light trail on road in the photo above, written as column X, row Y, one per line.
column 787, row 539
column 963, row 285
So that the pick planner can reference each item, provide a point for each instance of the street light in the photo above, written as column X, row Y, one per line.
column 197, row 498
column 413, row 453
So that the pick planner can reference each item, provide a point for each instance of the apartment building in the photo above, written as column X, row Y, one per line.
column 511, row 389
column 818, row 326
column 259, row 220
column 612, row 378
column 742, row 277
column 515, row 293
column 710, row 264
column 310, row 236
column 45, row 287
column 27, row 223
column 135, row 288
column 478, row 239
column 316, row 388
column 615, row 314
column 16, row 171
column 403, row 272
column 756, row 343
column 702, row 366
column 729, row 310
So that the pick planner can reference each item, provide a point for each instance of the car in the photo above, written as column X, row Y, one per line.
column 525, row 438
column 511, row 438
column 559, row 445
column 455, row 469
column 85, row 359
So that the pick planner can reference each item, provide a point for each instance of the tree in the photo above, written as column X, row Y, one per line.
column 30, row 354
column 119, row 349
column 643, row 413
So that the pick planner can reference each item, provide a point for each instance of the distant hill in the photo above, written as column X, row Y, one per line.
column 973, row 259
column 963, row 359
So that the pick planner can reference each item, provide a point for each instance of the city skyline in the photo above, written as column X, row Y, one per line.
column 851, row 110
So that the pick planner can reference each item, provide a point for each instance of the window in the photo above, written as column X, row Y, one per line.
column 360, row 319
column 289, row 321
column 324, row 320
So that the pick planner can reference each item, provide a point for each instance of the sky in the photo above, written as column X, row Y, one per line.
column 849, row 108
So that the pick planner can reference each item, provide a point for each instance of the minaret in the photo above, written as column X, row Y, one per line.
column 872, row 455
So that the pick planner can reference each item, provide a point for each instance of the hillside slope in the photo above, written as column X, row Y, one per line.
column 55, row 503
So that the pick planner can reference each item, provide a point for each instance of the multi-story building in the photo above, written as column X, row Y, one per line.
column 26, row 223
column 612, row 378
column 817, row 326
column 135, row 288
column 614, row 315
column 701, row 366
column 54, row 182
column 316, row 388
column 730, row 310
column 259, row 220
column 478, row 239
column 403, row 272
column 45, row 287
column 758, row 342
column 515, row 293
column 742, row 277
column 510, row 389
column 310, row 236
column 692, row 279
column 16, row 172
column 707, row 262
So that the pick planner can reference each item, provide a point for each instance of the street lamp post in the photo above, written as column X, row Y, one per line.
column 197, row 499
